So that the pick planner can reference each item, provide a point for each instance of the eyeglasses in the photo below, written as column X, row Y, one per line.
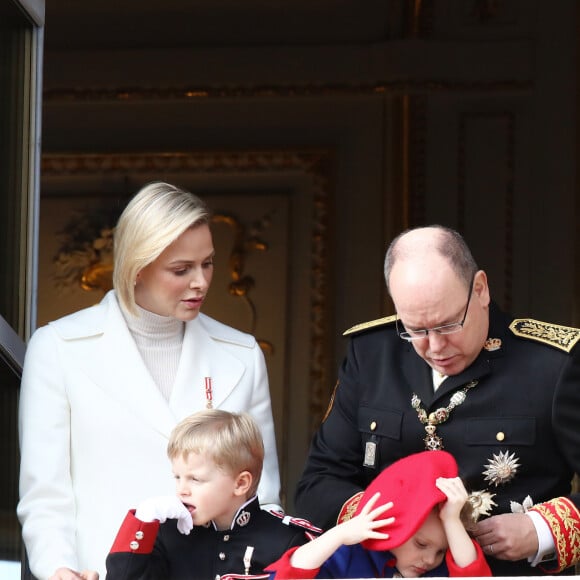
column 443, row 329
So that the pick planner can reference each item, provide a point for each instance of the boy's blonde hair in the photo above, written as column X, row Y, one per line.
column 157, row 215
column 233, row 441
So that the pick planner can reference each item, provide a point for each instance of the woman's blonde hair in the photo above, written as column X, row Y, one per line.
column 233, row 441
column 157, row 215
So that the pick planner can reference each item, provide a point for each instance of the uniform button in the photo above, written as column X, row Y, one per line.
column 222, row 556
column 226, row 538
column 139, row 535
column 217, row 577
column 373, row 425
column 500, row 436
column 134, row 545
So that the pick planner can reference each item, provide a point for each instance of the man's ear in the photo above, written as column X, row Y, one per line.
column 243, row 483
column 481, row 288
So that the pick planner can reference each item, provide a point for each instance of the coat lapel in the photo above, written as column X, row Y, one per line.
column 107, row 354
column 202, row 357
column 418, row 374
column 479, row 369
column 99, row 339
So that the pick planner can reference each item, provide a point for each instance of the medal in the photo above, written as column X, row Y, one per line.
column 432, row 441
column 248, row 559
column 501, row 468
column 208, row 393
column 481, row 503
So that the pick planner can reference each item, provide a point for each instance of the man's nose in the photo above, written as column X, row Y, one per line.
column 436, row 341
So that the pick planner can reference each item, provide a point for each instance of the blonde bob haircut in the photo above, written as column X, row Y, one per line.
column 156, row 216
column 233, row 441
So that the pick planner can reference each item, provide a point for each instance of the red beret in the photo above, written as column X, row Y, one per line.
column 410, row 484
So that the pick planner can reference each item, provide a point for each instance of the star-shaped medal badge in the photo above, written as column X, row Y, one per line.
column 501, row 468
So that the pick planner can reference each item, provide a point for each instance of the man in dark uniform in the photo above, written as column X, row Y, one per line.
column 450, row 371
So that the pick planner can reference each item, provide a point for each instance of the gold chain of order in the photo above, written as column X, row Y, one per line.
column 431, row 420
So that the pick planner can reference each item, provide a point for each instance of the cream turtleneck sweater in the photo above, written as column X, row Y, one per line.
column 159, row 340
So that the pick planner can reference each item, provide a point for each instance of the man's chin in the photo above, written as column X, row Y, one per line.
column 449, row 368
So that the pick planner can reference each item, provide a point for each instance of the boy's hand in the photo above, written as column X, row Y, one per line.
column 456, row 494
column 165, row 507
column 363, row 526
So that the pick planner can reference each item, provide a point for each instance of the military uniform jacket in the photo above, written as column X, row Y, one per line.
column 153, row 551
column 524, row 410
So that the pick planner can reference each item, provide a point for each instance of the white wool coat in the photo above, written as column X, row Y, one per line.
column 94, row 427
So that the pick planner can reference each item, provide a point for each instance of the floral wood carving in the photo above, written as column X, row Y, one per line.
column 85, row 254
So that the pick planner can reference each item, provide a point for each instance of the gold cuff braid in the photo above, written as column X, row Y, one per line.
column 563, row 517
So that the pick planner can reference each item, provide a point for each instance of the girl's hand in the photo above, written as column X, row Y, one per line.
column 364, row 525
column 456, row 494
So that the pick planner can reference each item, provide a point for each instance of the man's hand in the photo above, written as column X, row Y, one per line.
column 68, row 574
column 507, row 536
column 163, row 507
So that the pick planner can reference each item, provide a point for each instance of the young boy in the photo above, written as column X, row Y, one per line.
column 423, row 534
column 214, row 527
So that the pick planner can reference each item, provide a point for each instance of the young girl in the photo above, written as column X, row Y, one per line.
column 407, row 525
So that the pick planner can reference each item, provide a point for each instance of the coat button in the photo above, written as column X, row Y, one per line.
column 226, row 538
column 222, row 556
column 373, row 425
column 134, row 545
column 139, row 535
column 500, row 436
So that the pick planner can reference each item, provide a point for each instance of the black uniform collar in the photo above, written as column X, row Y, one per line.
column 244, row 514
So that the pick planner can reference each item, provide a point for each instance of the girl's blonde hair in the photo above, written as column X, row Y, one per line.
column 157, row 215
column 233, row 441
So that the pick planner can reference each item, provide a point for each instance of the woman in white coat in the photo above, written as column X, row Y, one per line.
column 102, row 388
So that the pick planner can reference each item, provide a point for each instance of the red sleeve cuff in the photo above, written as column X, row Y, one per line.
column 479, row 567
column 135, row 536
column 563, row 518
column 284, row 569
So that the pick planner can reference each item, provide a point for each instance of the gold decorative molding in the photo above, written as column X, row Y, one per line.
column 245, row 241
column 188, row 93
column 316, row 164
column 260, row 161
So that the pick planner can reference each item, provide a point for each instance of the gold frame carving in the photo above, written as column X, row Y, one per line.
column 193, row 93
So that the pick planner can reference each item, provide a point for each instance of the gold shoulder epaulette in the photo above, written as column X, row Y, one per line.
column 370, row 324
column 562, row 337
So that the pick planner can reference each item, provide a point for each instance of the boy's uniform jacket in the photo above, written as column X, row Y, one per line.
column 153, row 551
column 94, row 426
